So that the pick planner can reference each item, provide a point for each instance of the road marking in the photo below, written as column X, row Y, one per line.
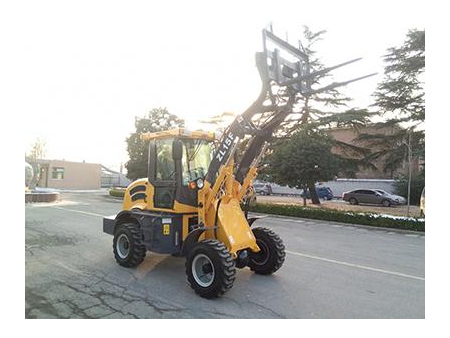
column 412, row 235
column 357, row 266
column 53, row 204
column 80, row 212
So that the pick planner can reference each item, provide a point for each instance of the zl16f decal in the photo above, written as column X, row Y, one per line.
column 225, row 146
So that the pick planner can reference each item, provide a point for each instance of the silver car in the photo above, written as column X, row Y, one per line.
column 398, row 199
column 372, row 196
column 262, row 189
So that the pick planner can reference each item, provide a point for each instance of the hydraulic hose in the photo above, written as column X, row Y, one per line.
column 216, row 218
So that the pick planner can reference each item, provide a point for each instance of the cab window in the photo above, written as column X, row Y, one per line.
column 165, row 166
column 196, row 159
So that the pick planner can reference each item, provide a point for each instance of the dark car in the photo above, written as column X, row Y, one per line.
column 322, row 192
column 372, row 196
column 262, row 188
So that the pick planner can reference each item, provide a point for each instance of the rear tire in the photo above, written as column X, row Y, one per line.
column 271, row 256
column 127, row 245
column 210, row 268
column 353, row 201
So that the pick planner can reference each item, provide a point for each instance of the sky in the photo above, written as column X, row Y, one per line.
column 81, row 71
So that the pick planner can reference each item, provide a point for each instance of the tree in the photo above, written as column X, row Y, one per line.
column 158, row 119
column 38, row 151
column 400, row 102
column 330, row 109
column 319, row 107
column 401, row 92
column 303, row 160
column 416, row 185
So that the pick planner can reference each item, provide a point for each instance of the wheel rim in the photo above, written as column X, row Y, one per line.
column 123, row 246
column 203, row 270
column 261, row 257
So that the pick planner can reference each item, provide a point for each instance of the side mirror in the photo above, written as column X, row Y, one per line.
column 177, row 150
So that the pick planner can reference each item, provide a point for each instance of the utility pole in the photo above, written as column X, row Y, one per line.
column 409, row 171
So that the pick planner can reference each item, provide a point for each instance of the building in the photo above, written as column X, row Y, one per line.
column 111, row 178
column 349, row 135
column 60, row 174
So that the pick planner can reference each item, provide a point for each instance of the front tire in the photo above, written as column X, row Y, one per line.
column 272, row 254
column 127, row 245
column 210, row 268
column 386, row 203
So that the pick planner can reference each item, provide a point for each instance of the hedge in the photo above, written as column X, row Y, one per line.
column 340, row 216
column 117, row 192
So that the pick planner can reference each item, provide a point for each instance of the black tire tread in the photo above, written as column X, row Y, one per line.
column 227, row 270
column 278, row 251
column 138, row 252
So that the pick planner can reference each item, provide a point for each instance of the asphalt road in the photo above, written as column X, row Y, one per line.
column 331, row 271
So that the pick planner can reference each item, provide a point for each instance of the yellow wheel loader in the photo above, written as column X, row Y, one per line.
column 190, row 205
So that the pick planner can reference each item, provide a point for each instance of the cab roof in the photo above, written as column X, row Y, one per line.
column 179, row 132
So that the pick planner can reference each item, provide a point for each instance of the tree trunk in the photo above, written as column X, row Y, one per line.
column 304, row 187
column 305, row 112
column 313, row 193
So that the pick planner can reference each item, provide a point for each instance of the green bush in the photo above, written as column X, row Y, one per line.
column 417, row 184
column 117, row 192
column 340, row 216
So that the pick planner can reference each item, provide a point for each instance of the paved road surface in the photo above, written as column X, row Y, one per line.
column 331, row 271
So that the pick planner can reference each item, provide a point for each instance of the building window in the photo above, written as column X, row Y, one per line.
column 58, row 173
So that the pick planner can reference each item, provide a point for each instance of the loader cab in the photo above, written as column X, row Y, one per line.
column 174, row 162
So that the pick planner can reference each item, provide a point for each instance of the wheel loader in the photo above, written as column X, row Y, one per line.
column 191, row 202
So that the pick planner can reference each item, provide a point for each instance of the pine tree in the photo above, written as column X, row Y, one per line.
column 400, row 99
column 318, row 112
column 401, row 93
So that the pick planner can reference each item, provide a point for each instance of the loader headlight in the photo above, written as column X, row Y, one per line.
column 200, row 183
